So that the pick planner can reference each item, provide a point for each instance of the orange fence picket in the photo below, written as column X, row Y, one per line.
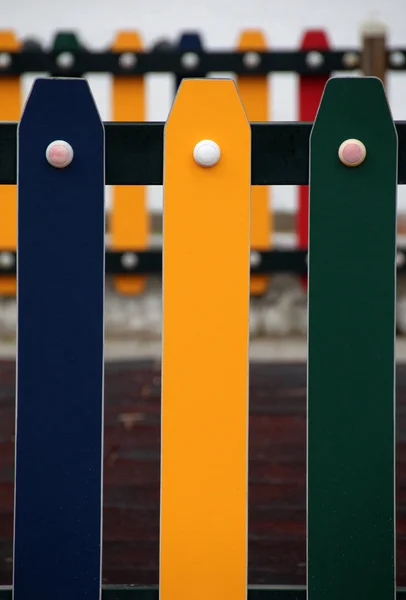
column 254, row 92
column 205, row 346
column 129, row 220
column 10, row 109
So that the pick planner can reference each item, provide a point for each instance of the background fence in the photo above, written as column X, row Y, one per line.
column 131, row 226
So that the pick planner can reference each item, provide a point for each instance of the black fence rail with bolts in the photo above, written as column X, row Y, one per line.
column 134, row 156
column 134, row 151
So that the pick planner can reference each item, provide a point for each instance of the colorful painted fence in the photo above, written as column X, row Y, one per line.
column 210, row 161
column 128, row 62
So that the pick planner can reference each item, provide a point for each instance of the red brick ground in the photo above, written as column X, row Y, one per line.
column 131, row 484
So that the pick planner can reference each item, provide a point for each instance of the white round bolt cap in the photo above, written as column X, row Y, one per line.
column 352, row 153
column 255, row 259
column 206, row 153
column 59, row 154
column 6, row 260
column 129, row 260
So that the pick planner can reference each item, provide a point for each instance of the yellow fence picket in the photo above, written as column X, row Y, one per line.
column 254, row 92
column 129, row 220
column 10, row 110
column 204, row 480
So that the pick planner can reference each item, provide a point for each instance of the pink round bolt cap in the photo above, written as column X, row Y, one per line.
column 352, row 153
column 59, row 154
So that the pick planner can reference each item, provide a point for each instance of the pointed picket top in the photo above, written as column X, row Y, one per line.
column 315, row 39
column 252, row 39
column 351, row 93
column 207, row 164
column 190, row 41
column 66, row 41
column 60, row 356
column 352, row 251
column 9, row 41
column 56, row 102
column 209, row 103
column 128, row 41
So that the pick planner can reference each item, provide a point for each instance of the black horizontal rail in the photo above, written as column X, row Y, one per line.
column 134, row 153
column 149, row 262
column 173, row 61
column 133, row 592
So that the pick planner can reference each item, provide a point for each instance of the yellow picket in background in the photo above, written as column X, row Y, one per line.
column 10, row 110
column 254, row 92
column 204, row 480
column 129, row 219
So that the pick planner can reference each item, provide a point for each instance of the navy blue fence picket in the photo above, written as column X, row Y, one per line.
column 58, row 502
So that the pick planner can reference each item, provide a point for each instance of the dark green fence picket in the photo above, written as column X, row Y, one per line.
column 351, row 503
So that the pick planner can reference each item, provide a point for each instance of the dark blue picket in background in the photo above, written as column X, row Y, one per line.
column 60, row 365
column 190, row 42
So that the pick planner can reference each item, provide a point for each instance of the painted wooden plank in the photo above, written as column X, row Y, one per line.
column 254, row 92
column 351, row 340
column 59, row 435
column 205, row 347
column 10, row 110
column 129, row 218
column 310, row 88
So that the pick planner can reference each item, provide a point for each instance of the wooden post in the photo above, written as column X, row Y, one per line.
column 374, row 60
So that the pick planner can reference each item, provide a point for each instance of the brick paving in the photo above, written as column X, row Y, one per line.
column 277, row 453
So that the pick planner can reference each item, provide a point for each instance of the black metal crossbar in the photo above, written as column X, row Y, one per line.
column 134, row 153
column 173, row 61
column 149, row 262
column 132, row 592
